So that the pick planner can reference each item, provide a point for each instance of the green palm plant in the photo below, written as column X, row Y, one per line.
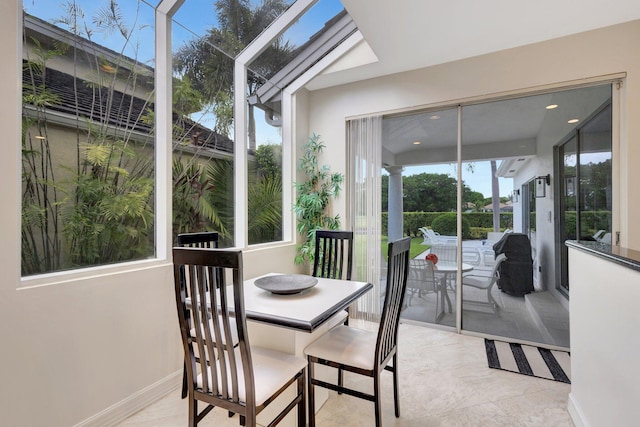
column 193, row 209
column 265, row 210
column 208, row 61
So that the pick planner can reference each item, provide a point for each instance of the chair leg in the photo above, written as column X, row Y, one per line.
column 445, row 294
column 492, row 301
column 376, row 399
column 302, row 415
column 193, row 411
column 184, row 381
column 311, row 406
column 396, row 398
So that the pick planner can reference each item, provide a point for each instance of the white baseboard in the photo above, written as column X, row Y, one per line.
column 117, row 413
column 575, row 413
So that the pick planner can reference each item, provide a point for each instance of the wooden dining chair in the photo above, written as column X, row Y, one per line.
column 200, row 239
column 333, row 248
column 365, row 352
column 241, row 379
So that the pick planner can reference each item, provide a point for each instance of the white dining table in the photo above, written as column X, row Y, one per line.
column 305, row 311
column 289, row 323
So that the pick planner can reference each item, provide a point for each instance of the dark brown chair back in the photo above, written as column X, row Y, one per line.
column 332, row 247
column 201, row 239
column 397, row 271
column 216, row 372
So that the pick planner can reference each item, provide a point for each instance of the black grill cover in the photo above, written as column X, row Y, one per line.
column 516, row 272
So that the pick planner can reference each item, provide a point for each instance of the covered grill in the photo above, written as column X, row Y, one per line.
column 516, row 272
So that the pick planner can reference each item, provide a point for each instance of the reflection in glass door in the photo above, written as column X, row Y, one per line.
column 567, row 215
column 585, row 187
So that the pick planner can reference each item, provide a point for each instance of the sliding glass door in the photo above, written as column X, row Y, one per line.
column 494, row 189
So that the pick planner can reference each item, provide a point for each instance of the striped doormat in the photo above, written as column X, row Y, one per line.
column 525, row 359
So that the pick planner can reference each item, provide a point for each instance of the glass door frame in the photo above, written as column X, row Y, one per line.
column 561, row 188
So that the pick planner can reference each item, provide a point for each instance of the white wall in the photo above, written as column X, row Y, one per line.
column 588, row 55
column 90, row 349
column 605, row 343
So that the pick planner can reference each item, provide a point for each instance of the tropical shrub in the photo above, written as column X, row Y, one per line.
column 447, row 224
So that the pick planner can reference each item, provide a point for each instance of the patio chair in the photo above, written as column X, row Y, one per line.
column 240, row 379
column 363, row 352
column 603, row 237
column 431, row 237
column 485, row 283
column 422, row 281
column 447, row 253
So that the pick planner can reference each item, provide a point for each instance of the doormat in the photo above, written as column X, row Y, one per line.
column 529, row 360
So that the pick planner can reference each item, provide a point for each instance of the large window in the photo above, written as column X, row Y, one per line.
column 88, row 129
column 94, row 135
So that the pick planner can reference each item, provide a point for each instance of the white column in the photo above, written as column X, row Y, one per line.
column 395, row 225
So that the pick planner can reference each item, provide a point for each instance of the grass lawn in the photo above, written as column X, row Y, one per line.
column 416, row 247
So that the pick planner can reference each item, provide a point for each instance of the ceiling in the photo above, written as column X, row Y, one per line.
column 491, row 129
column 403, row 35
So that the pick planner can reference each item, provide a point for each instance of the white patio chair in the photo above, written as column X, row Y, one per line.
column 485, row 283
column 422, row 281
column 431, row 237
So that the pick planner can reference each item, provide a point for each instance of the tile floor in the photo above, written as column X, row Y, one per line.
column 444, row 381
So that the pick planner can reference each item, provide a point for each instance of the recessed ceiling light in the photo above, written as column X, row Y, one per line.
column 416, row 142
column 434, row 117
column 551, row 106
column 573, row 121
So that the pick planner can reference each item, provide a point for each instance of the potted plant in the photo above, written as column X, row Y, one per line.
column 314, row 195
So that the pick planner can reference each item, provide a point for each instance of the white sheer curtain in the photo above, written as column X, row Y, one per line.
column 364, row 172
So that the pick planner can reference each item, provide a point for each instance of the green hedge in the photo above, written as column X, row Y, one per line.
column 591, row 222
column 447, row 225
column 414, row 220
column 482, row 222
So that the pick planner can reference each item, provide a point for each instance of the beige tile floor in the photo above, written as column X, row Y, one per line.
column 444, row 381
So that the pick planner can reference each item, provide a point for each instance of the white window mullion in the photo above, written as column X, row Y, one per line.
column 240, row 149
column 163, row 126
